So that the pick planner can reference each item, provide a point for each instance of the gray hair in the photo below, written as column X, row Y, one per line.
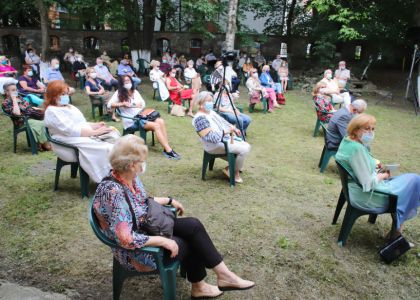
column 127, row 150
column 7, row 85
column 190, row 62
column 360, row 105
column 202, row 97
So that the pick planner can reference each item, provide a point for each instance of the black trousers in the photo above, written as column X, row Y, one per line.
column 196, row 250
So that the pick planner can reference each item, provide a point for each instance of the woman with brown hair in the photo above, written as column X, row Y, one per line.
column 324, row 108
column 67, row 124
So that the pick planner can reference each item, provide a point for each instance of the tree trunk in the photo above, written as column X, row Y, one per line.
column 231, row 25
column 149, row 11
column 132, row 14
column 43, row 13
column 290, row 17
column 283, row 17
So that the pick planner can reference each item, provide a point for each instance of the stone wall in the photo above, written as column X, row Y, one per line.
column 180, row 42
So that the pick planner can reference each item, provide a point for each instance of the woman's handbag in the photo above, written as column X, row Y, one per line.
column 394, row 249
column 149, row 114
column 178, row 110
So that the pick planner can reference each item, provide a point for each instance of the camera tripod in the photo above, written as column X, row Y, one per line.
column 219, row 96
column 411, row 86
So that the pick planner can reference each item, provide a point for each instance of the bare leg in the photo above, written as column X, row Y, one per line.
column 201, row 288
column 156, row 128
column 226, row 278
column 161, row 122
column 190, row 113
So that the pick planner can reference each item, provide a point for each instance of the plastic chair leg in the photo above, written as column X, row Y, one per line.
column 117, row 280
column 143, row 135
column 60, row 164
column 265, row 104
column 206, row 160
column 349, row 218
column 232, row 165
column 317, row 126
column 14, row 141
column 73, row 170
column 340, row 204
column 84, row 182
column 322, row 157
column 251, row 108
column 153, row 138
column 372, row 218
column 169, row 291
column 211, row 162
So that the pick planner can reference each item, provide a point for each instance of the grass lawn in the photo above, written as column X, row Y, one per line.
column 274, row 229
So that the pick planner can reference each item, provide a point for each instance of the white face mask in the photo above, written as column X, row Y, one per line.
column 14, row 94
column 93, row 75
column 143, row 167
column 173, row 75
column 255, row 75
column 128, row 86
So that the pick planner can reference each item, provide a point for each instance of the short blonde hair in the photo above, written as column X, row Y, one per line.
column 358, row 122
column 317, row 87
column 202, row 97
column 265, row 67
column 89, row 71
column 154, row 63
column 127, row 150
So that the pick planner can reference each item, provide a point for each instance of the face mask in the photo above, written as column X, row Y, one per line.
column 173, row 75
column 329, row 76
column 14, row 94
column 57, row 66
column 64, row 99
column 267, row 71
column 30, row 73
column 255, row 75
column 4, row 62
column 143, row 167
column 220, row 68
column 100, row 64
column 367, row 138
column 93, row 75
column 128, row 86
column 208, row 106
column 164, row 60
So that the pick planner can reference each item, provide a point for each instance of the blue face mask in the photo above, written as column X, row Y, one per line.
column 208, row 106
column 30, row 73
column 367, row 138
column 4, row 62
column 64, row 99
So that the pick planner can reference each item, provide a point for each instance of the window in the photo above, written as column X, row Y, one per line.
column 54, row 43
column 196, row 43
column 358, row 52
column 10, row 44
column 91, row 43
column 162, row 45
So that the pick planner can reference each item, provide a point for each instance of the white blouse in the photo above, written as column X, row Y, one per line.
column 155, row 75
column 131, row 112
column 64, row 120
column 190, row 73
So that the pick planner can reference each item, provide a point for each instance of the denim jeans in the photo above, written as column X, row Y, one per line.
column 244, row 120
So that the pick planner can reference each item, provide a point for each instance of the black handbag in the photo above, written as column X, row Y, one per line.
column 394, row 249
column 149, row 114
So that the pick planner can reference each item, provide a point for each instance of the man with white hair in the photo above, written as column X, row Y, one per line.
column 337, row 127
column 342, row 75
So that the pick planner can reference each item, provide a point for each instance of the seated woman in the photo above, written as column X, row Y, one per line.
column 256, row 91
column 269, row 84
column 246, row 68
column 178, row 92
column 67, row 124
column 14, row 105
column 94, row 89
column 333, row 91
column 190, row 74
column 356, row 158
column 228, row 112
column 190, row 243
column 29, row 84
column 213, row 129
column 7, row 73
column 158, row 77
column 131, row 103
column 324, row 108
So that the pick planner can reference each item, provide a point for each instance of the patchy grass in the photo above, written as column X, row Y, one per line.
column 274, row 229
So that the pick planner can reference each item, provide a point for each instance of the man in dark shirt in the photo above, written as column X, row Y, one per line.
column 337, row 127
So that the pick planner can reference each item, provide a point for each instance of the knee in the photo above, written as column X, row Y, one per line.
column 196, row 224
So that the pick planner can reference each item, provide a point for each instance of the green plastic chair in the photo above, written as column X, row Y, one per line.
column 119, row 273
column 144, row 66
column 326, row 153
column 318, row 123
column 264, row 101
column 23, row 128
column 142, row 132
column 352, row 213
column 97, row 102
column 208, row 161
column 155, row 86
column 84, row 177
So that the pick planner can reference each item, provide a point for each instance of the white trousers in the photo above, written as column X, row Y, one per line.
column 341, row 98
column 240, row 148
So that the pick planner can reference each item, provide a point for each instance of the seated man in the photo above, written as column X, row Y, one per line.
column 53, row 73
column 337, row 127
column 107, row 80
column 79, row 68
column 28, row 84
column 342, row 75
column 333, row 91
column 14, row 105
column 124, row 69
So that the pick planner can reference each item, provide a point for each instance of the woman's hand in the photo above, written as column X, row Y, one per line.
column 383, row 176
column 172, row 246
column 178, row 206
column 102, row 130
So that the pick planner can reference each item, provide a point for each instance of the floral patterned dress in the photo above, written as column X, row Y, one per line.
column 115, row 219
column 324, row 108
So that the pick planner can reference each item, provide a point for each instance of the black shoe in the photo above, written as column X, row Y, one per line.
column 172, row 155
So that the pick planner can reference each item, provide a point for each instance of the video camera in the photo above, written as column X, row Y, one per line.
column 229, row 56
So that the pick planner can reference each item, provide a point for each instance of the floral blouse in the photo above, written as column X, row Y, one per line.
column 115, row 219
column 324, row 108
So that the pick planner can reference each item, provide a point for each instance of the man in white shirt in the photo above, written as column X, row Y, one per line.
column 342, row 74
column 102, row 72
